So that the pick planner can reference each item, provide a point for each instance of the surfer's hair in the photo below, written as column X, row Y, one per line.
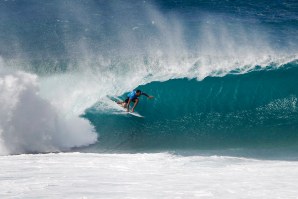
column 138, row 91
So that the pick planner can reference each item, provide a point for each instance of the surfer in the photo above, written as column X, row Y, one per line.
column 133, row 97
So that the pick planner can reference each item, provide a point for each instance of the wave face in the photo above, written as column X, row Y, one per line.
column 257, row 109
column 222, row 73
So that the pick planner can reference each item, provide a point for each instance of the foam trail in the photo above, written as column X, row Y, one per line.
column 29, row 123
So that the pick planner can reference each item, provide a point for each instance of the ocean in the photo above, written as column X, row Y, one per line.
column 223, row 122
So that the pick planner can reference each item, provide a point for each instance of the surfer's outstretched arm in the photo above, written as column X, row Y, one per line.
column 147, row 95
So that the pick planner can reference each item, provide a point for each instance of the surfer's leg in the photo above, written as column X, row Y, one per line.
column 124, row 103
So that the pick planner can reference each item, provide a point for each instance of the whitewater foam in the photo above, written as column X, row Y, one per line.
column 29, row 123
column 160, row 175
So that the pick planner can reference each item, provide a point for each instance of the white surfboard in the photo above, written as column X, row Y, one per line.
column 116, row 99
column 135, row 114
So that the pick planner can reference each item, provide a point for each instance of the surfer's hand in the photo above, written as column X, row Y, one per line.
column 132, row 110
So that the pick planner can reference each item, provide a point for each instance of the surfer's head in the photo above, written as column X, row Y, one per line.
column 138, row 92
